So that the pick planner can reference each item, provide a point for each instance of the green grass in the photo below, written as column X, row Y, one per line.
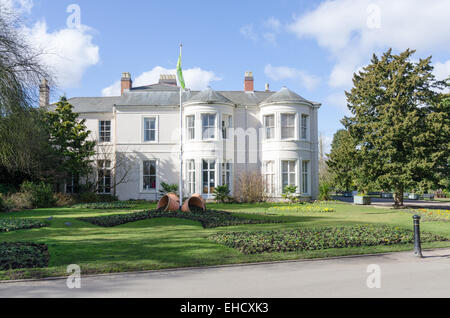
column 169, row 242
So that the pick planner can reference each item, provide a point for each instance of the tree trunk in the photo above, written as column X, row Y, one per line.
column 398, row 198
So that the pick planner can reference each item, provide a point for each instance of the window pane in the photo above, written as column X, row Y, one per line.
column 146, row 168
column 152, row 167
column 285, row 166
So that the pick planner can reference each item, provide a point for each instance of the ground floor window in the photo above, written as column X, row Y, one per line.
column 226, row 174
column 72, row 184
column 209, row 176
column 269, row 176
column 305, row 177
column 149, row 175
column 191, row 176
column 288, row 173
column 104, row 176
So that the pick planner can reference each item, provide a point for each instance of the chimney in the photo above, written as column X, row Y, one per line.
column 248, row 82
column 267, row 87
column 44, row 94
column 126, row 82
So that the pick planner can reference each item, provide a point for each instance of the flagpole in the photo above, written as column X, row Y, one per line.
column 181, row 141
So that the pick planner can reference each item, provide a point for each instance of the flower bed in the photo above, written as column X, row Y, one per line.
column 8, row 225
column 23, row 255
column 103, row 205
column 433, row 215
column 208, row 219
column 318, row 239
column 307, row 208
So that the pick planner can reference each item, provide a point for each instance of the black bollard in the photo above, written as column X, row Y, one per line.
column 417, row 247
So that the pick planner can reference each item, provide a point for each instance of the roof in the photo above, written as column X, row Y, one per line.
column 209, row 96
column 285, row 95
column 165, row 95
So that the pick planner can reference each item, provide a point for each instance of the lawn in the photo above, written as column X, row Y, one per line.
column 159, row 243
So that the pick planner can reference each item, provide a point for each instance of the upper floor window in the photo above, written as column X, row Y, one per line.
column 149, row 175
column 150, row 129
column 269, row 126
column 190, row 124
column 209, row 126
column 104, row 131
column 227, row 124
column 304, row 125
column 287, row 126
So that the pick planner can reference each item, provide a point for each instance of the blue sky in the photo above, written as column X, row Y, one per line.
column 312, row 47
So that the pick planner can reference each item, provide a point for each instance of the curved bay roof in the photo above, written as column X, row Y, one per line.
column 285, row 95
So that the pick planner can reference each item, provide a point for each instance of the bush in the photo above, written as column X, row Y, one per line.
column 290, row 193
column 250, row 188
column 324, row 191
column 222, row 193
column 319, row 239
column 15, row 255
column 62, row 199
column 8, row 225
column 2, row 203
column 92, row 197
column 41, row 194
column 6, row 189
column 167, row 188
column 19, row 201
column 208, row 219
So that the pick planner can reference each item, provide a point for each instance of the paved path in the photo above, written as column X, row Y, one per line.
column 402, row 275
column 415, row 204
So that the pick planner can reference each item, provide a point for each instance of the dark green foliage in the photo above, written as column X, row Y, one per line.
column 103, row 205
column 167, row 188
column 8, row 225
column 341, row 160
column 222, row 193
column 15, row 255
column 2, row 203
column 208, row 219
column 69, row 139
column 400, row 124
column 319, row 239
column 7, row 189
column 41, row 194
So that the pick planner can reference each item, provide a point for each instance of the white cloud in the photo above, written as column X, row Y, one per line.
column 352, row 30
column 68, row 52
column 278, row 73
column 273, row 23
column 248, row 32
column 19, row 6
column 195, row 78
column 442, row 70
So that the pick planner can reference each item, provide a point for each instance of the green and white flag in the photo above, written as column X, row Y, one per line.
column 180, row 73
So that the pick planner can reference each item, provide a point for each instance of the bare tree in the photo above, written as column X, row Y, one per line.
column 115, row 164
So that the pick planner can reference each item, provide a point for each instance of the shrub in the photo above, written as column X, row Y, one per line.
column 7, row 189
column 208, row 219
column 41, row 194
column 8, row 225
column 250, row 188
column 324, row 191
column 167, row 188
column 63, row 199
column 15, row 255
column 19, row 201
column 103, row 205
column 290, row 193
column 2, row 203
column 222, row 193
column 92, row 197
column 319, row 239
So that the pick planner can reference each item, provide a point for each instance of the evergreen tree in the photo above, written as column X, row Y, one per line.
column 69, row 140
column 398, row 123
column 341, row 160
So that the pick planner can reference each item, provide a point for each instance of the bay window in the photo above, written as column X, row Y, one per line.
column 288, row 173
column 209, row 176
column 304, row 125
column 287, row 126
column 269, row 177
column 209, row 126
column 269, row 126
column 191, row 176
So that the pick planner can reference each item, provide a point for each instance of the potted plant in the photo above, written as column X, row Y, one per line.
column 361, row 199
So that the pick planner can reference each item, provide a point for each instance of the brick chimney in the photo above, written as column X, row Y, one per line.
column 248, row 82
column 44, row 94
column 126, row 82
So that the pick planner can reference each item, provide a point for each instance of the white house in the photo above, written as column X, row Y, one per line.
column 226, row 133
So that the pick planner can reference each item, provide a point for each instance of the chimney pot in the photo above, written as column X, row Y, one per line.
column 44, row 93
column 267, row 87
column 126, row 82
column 248, row 82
